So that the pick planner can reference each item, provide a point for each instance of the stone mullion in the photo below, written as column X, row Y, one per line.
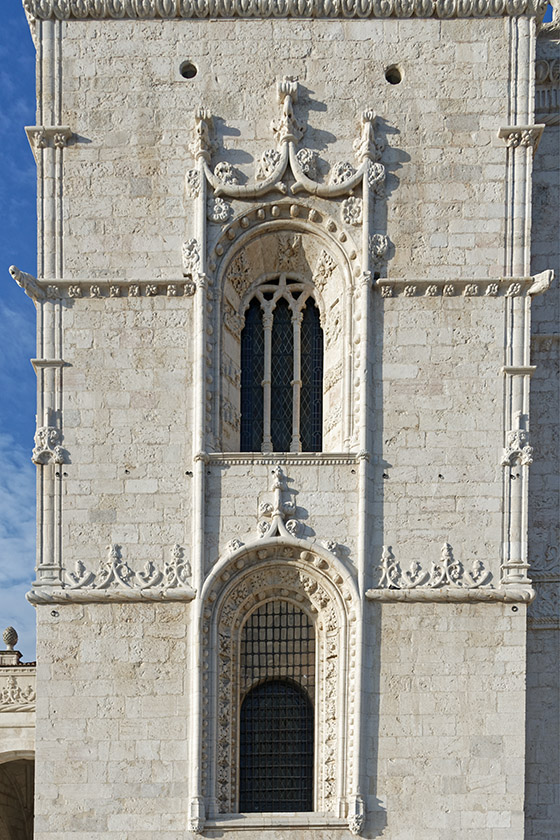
column 295, row 445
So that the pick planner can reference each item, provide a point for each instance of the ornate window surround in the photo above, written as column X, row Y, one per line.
column 316, row 581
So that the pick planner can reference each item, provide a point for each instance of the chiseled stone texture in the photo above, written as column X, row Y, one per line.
column 445, row 743
column 127, row 411
column 123, row 93
column 438, row 397
column 111, row 714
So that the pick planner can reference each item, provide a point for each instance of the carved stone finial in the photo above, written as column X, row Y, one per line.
column 202, row 145
column 10, row 637
column 286, row 128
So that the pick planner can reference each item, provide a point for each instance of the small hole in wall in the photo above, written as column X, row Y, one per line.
column 393, row 75
column 515, row 609
column 188, row 70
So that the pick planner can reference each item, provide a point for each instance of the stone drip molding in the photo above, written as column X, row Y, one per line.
column 273, row 165
column 15, row 695
column 59, row 289
column 115, row 581
column 169, row 9
column 285, row 211
column 48, row 137
column 477, row 287
column 447, row 581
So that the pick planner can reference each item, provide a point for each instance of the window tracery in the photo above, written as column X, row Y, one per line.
column 282, row 369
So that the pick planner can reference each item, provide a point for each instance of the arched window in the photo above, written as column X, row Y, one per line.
column 276, row 726
column 282, row 370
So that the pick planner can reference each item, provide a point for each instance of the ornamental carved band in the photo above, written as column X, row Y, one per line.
column 146, row 9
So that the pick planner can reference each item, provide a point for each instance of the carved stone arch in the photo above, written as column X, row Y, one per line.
column 238, row 586
column 321, row 255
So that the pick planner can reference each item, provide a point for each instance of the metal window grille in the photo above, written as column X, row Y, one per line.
column 277, row 670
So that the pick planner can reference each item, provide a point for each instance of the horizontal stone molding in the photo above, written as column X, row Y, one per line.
column 166, row 9
column 275, row 822
column 452, row 595
column 474, row 287
column 519, row 370
column 47, row 137
column 101, row 596
column 516, row 136
column 56, row 289
column 305, row 459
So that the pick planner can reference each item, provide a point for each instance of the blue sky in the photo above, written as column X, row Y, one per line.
column 17, row 325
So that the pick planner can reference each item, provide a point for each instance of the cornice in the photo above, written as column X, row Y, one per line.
column 452, row 595
column 170, row 9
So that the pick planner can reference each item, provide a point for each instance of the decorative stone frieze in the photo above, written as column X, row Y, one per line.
column 102, row 288
column 504, row 286
column 115, row 580
column 544, row 613
column 146, row 9
column 447, row 572
column 17, row 689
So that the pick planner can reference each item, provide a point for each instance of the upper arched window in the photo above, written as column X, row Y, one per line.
column 282, row 370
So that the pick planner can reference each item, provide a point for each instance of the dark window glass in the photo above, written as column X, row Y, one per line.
column 252, row 374
column 276, row 749
column 282, row 371
column 311, row 411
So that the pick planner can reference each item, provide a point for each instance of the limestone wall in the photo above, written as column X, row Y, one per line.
column 132, row 112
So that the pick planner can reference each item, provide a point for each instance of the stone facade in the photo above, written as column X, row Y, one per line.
column 383, row 162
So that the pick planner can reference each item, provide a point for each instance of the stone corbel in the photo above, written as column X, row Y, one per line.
column 47, row 136
column 28, row 283
column 523, row 136
column 47, row 449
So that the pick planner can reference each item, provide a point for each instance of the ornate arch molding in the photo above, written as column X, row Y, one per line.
column 297, row 242
column 318, row 583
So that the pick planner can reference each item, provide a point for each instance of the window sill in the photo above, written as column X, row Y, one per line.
column 274, row 821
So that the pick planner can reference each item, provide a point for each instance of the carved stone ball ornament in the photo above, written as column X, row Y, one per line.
column 10, row 638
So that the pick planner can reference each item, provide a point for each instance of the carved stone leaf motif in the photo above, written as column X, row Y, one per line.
column 114, row 573
column 232, row 321
column 376, row 178
column 192, row 183
column 447, row 571
column 47, row 449
column 13, row 694
column 225, row 172
column 351, row 210
column 289, row 252
column 191, row 257
column 517, row 449
column 267, row 164
column 307, row 159
column 378, row 244
column 239, row 273
column 323, row 270
column 231, row 415
column 341, row 171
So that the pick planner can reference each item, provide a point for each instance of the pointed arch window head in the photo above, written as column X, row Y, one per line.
column 282, row 369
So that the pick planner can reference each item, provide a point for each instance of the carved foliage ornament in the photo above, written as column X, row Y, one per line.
column 145, row 9
column 113, row 573
column 447, row 571
column 517, row 449
column 15, row 697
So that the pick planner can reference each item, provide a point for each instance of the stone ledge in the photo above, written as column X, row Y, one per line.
column 227, row 459
column 274, row 821
column 452, row 595
column 96, row 596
